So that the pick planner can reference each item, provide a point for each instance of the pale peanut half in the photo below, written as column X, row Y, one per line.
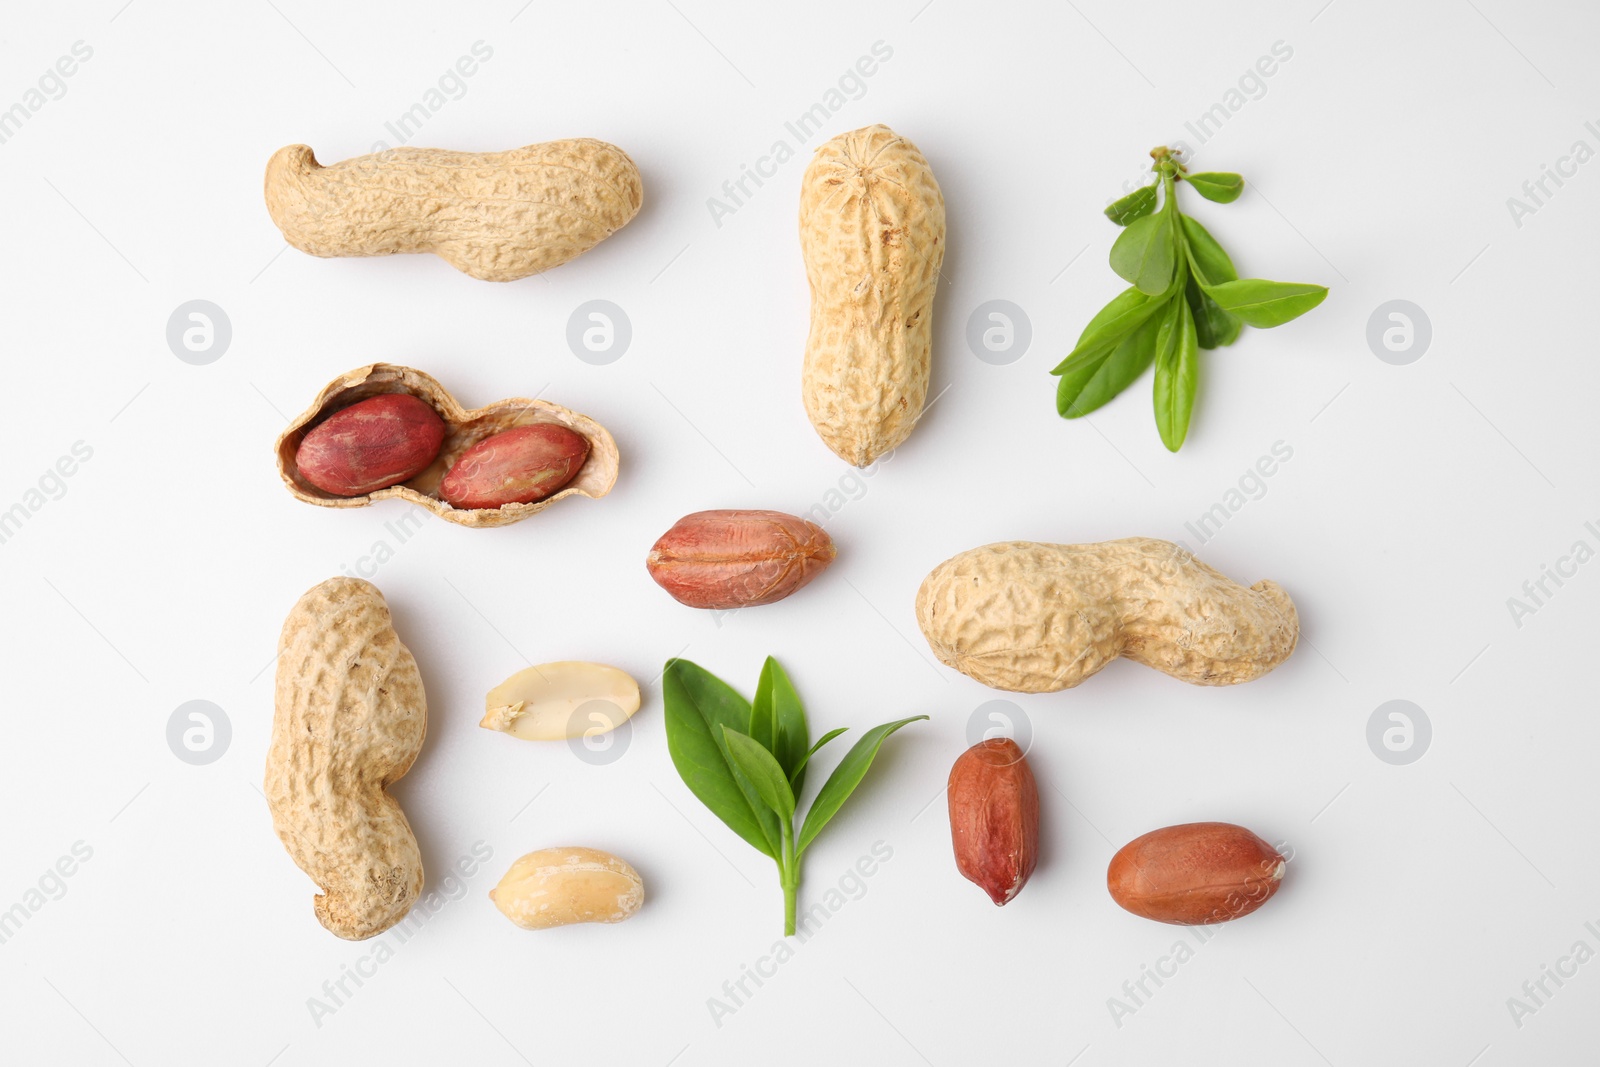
column 561, row 886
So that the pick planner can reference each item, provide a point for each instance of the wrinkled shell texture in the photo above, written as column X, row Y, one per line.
column 733, row 559
column 1196, row 873
column 498, row 216
column 872, row 233
column 561, row 886
column 994, row 817
column 463, row 429
column 1036, row 618
column 350, row 719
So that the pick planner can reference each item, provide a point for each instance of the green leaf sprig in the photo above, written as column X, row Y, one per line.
column 747, row 761
column 1185, row 295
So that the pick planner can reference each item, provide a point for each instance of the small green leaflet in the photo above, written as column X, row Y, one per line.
column 1213, row 327
column 777, row 702
column 698, row 706
column 1136, row 205
column 1265, row 304
column 762, row 769
column 1091, row 384
column 844, row 779
column 1177, row 365
column 1222, row 188
column 1113, row 322
column 1186, row 297
column 746, row 762
column 1206, row 257
column 1145, row 254
column 797, row 775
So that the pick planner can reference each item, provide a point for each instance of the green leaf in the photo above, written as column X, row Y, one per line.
column 758, row 765
column 1136, row 205
column 1265, row 304
column 698, row 705
column 1213, row 327
column 1177, row 367
column 1145, row 254
column 844, row 779
column 1206, row 256
column 1126, row 311
column 1221, row 188
column 797, row 776
column 1091, row 385
column 777, row 704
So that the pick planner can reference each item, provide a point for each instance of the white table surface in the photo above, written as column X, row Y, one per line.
column 1416, row 502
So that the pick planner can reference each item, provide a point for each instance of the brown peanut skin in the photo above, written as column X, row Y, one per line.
column 517, row 466
column 1195, row 874
column 994, row 817
column 735, row 559
column 371, row 445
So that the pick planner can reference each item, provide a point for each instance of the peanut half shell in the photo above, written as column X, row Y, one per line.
column 463, row 429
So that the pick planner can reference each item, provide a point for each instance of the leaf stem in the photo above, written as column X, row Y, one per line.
column 789, row 875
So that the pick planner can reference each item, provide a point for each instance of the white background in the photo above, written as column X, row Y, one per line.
column 1418, row 499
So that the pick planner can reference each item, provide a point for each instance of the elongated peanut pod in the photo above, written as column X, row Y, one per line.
column 350, row 719
column 872, row 234
column 498, row 216
column 1035, row 618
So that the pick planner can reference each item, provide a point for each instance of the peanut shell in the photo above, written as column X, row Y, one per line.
column 350, row 719
column 1036, row 618
column 872, row 234
column 463, row 429
column 498, row 216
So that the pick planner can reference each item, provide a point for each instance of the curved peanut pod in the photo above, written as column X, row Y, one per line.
column 351, row 716
column 498, row 216
column 872, row 234
column 1035, row 618
column 737, row 559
